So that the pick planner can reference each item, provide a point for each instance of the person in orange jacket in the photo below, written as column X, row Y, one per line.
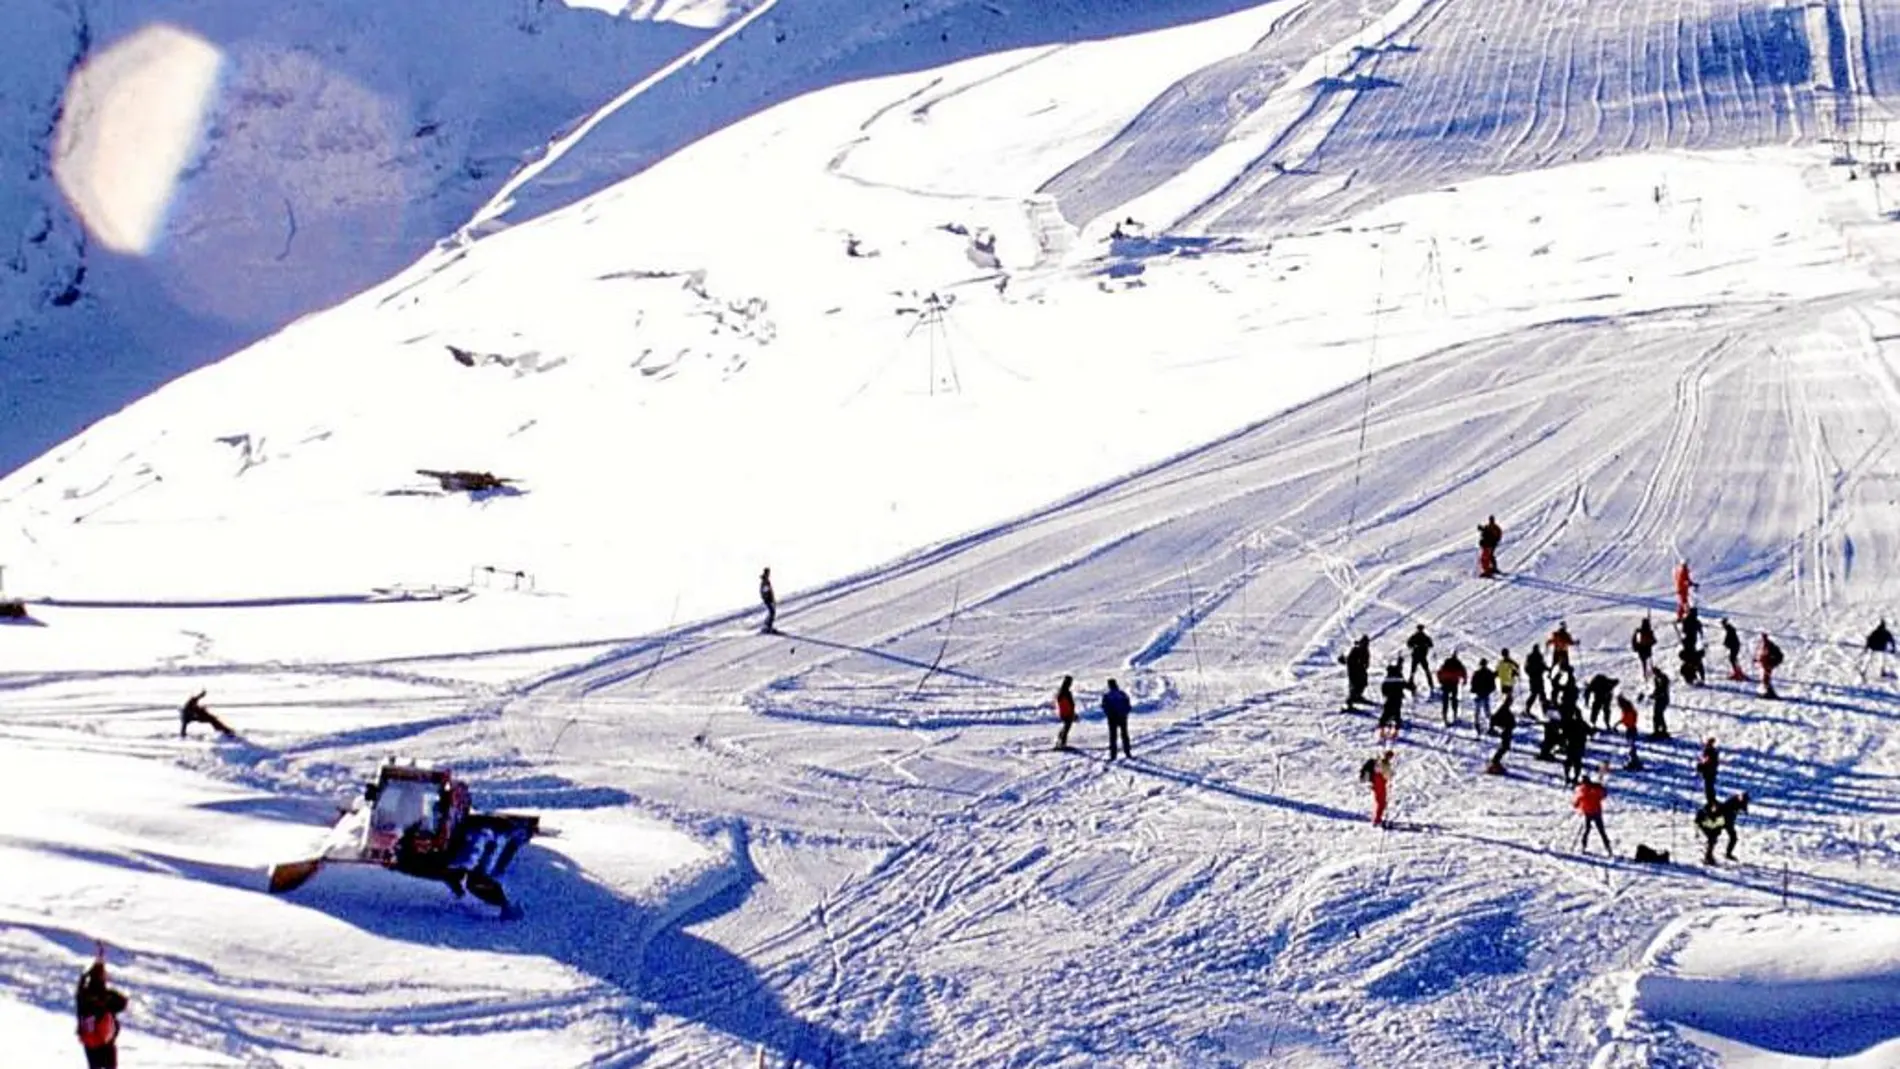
column 98, row 1007
column 1561, row 641
column 1627, row 718
column 1589, row 802
column 1065, row 711
column 1684, row 584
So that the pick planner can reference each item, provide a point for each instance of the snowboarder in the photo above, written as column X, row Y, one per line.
column 1690, row 664
column 1768, row 657
column 1684, row 584
column 1601, row 689
column 1377, row 772
column 1393, row 691
column 770, row 601
column 1879, row 640
column 1706, row 766
column 1643, row 642
column 1534, row 671
column 1065, row 711
column 1484, row 683
column 1561, row 642
column 1589, row 802
column 1626, row 716
column 1451, row 678
column 1490, row 536
column 1115, row 706
column 1358, row 662
column 194, row 712
column 1507, row 677
column 98, row 1007
column 1420, row 644
column 1504, row 722
column 1658, row 705
column 1732, row 643
column 1717, row 818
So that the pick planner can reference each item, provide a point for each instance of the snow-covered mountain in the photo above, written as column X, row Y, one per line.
column 1177, row 343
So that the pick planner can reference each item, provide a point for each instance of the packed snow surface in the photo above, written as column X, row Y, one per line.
column 1178, row 344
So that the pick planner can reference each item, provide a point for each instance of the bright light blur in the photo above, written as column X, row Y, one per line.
column 130, row 124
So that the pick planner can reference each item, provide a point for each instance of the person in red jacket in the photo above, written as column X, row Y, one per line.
column 98, row 1008
column 1065, row 711
column 1627, row 720
column 1590, row 795
column 1490, row 537
column 1684, row 584
column 1451, row 678
column 1377, row 771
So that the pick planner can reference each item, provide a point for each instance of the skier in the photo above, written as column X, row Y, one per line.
column 1065, row 711
column 1420, row 644
column 1576, row 736
column 1684, row 584
column 1601, row 690
column 1451, row 677
column 1643, row 642
column 1358, row 662
column 98, row 1007
column 1706, row 766
column 1507, row 677
column 1717, row 818
column 1553, row 736
column 770, row 600
column 1768, row 657
column 1732, row 642
column 1690, row 658
column 1377, row 771
column 1691, row 627
column 1590, row 795
column 1626, row 711
column 1490, row 536
column 1393, row 690
column 1560, row 643
column 1534, row 671
column 1115, row 706
column 1879, row 640
column 194, row 712
column 1484, row 683
column 1504, row 722
column 1659, row 705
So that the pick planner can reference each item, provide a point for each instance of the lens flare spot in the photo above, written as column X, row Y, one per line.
column 130, row 123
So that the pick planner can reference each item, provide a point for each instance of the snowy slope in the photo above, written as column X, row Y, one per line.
column 1194, row 460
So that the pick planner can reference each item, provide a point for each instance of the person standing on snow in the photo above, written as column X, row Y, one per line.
column 1627, row 717
column 1576, row 737
column 1602, row 690
column 97, row 1007
column 1707, row 766
column 1451, row 678
column 770, row 601
column 1116, row 707
column 1377, row 773
column 194, row 712
column 1589, row 802
column 1561, row 642
column 1065, row 711
column 1659, row 705
column 1768, row 657
column 1691, row 627
column 1490, row 537
column 1392, row 692
column 1534, row 671
column 1358, row 662
column 1684, row 584
column 1420, row 644
column 1690, row 658
column 1484, row 683
column 1643, row 642
column 1504, row 722
column 1732, row 644
column 1879, row 641
column 1716, row 818
column 1507, row 677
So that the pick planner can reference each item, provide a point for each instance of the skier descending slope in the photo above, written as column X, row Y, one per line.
column 1490, row 537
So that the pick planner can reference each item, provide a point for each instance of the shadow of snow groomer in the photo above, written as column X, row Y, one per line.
column 415, row 819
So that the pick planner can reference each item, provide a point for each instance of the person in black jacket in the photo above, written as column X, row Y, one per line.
column 1717, row 818
column 1534, row 671
column 1504, row 722
column 770, row 601
column 1392, row 692
column 1115, row 706
column 1643, row 643
column 1708, row 766
column 1732, row 644
column 1659, row 705
column 1358, row 662
column 1484, row 683
column 97, row 1007
column 1420, row 644
column 194, row 712
column 1602, row 691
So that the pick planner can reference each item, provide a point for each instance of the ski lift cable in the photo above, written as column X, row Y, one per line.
column 1365, row 407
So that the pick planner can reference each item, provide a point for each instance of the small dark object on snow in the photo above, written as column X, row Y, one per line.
column 1651, row 856
column 473, row 482
column 12, row 609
